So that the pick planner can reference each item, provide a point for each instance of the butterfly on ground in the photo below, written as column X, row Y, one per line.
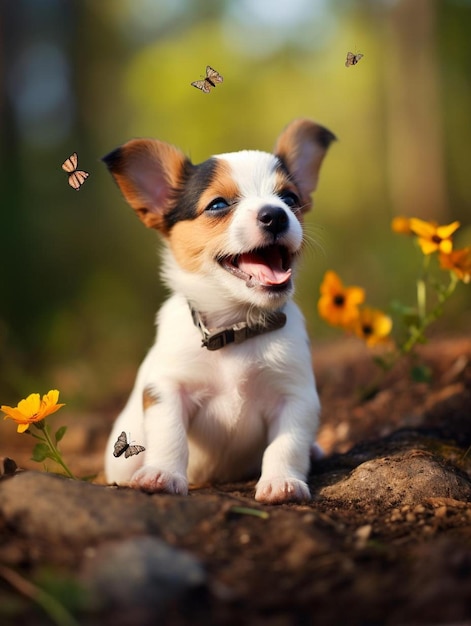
column 212, row 77
column 122, row 445
column 76, row 177
column 352, row 59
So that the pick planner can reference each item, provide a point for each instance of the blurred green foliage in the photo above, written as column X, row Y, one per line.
column 79, row 278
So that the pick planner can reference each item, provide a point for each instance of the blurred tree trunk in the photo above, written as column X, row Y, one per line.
column 414, row 132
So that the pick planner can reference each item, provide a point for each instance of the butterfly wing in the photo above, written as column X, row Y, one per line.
column 76, row 179
column 204, row 85
column 132, row 450
column 121, row 445
column 70, row 164
column 213, row 76
column 350, row 59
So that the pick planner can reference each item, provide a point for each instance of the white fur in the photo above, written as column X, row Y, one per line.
column 220, row 409
column 246, row 410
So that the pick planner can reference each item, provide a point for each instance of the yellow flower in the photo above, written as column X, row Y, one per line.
column 458, row 261
column 433, row 237
column 338, row 305
column 401, row 225
column 32, row 409
column 373, row 326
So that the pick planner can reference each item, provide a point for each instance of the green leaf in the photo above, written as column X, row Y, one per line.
column 404, row 310
column 244, row 510
column 60, row 433
column 41, row 452
column 421, row 374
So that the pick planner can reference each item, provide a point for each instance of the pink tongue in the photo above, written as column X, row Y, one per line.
column 267, row 269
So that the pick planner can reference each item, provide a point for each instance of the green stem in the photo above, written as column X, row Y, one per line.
column 417, row 332
column 422, row 289
column 54, row 609
column 55, row 452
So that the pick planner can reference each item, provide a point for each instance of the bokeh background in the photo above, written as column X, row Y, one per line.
column 79, row 280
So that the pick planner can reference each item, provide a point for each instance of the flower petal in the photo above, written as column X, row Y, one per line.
column 401, row 225
column 427, row 246
column 422, row 228
column 13, row 413
column 445, row 232
column 446, row 246
column 331, row 284
column 355, row 295
column 30, row 406
column 459, row 262
column 51, row 397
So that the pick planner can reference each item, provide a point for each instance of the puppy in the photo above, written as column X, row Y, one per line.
column 227, row 391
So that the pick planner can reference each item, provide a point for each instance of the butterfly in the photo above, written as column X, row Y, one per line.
column 122, row 445
column 76, row 177
column 212, row 77
column 352, row 59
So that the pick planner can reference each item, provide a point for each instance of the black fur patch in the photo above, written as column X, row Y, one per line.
column 195, row 179
column 113, row 159
column 283, row 168
column 325, row 137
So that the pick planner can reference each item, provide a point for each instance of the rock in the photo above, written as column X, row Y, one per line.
column 133, row 581
column 58, row 518
column 407, row 478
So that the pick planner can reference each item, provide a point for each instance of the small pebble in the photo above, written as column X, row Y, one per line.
column 8, row 466
column 363, row 533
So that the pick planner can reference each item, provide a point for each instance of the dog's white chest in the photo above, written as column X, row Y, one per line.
column 228, row 417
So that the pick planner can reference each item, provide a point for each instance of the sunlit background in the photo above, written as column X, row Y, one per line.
column 79, row 273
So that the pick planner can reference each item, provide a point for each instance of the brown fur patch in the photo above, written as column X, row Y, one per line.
column 301, row 147
column 146, row 171
column 203, row 237
column 149, row 397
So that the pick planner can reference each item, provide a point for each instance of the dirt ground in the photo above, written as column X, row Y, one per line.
column 387, row 536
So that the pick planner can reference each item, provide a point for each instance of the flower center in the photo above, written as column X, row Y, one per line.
column 367, row 330
column 436, row 239
column 339, row 300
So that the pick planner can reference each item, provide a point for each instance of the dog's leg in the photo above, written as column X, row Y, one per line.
column 120, row 469
column 166, row 459
column 286, row 459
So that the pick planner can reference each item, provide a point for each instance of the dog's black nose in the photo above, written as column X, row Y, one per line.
column 273, row 219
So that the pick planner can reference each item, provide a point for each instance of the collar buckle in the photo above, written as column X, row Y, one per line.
column 238, row 333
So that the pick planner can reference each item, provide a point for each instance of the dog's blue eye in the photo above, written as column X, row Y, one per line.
column 217, row 205
column 290, row 199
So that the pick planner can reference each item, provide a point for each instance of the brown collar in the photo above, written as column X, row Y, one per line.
column 217, row 338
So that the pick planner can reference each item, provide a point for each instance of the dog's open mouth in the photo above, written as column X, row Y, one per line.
column 268, row 267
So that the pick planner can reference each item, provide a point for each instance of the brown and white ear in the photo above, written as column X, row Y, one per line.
column 148, row 172
column 301, row 147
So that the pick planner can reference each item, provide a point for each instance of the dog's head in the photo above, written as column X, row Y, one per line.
column 234, row 220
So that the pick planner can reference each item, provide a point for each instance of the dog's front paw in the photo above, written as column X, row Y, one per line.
column 154, row 480
column 279, row 490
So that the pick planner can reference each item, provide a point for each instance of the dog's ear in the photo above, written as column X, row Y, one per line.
column 301, row 147
column 148, row 172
